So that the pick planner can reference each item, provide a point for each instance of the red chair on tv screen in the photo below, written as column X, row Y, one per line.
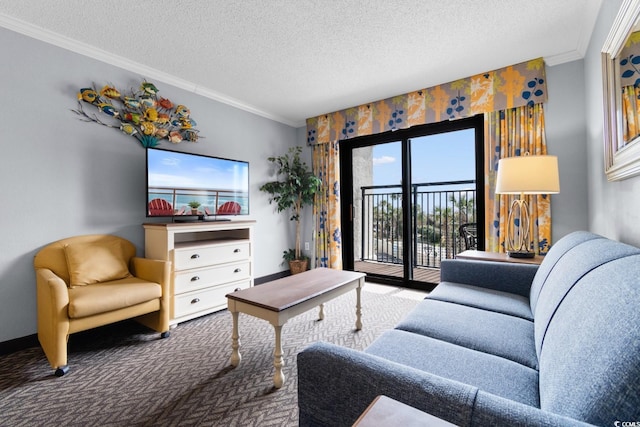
column 160, row 207
column 229, row 208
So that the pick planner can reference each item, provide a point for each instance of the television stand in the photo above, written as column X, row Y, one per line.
column 214, row 219
column 186, row 218
column 208, row 261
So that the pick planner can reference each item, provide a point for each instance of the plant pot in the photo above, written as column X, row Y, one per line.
column 298, row 265
column 194, row 211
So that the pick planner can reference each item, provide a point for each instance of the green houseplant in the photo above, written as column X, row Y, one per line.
column 294, row 188
column 194, row 204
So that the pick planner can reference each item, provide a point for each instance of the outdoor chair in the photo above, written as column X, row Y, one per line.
column 469, row 235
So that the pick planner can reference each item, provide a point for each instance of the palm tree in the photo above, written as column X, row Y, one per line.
column 464, row 208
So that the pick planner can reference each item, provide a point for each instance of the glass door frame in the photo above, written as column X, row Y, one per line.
column 404, row 136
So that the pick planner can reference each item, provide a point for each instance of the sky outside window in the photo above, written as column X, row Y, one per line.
column 435, row 158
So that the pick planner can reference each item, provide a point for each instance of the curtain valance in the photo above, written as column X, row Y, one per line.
column 514, row 86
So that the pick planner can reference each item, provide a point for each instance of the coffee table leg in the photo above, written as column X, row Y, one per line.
column 235, row 341
column 321, row 314
column 278, row 362
column 359, row 306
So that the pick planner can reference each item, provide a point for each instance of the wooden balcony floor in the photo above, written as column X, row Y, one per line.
column 421, row 274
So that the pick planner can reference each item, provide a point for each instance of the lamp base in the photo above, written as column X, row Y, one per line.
column 521, row 254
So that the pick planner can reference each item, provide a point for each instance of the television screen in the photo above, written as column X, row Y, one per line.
column 181, row 184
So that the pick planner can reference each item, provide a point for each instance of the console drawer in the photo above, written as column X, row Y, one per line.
column 212, row 298
column 191, row 280
column 201, row 256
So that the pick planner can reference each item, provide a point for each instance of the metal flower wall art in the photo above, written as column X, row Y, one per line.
column 141, row 114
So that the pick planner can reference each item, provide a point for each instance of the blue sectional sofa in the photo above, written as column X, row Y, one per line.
column 500, row 344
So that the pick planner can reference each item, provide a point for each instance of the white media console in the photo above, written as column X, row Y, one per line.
column 208, row 261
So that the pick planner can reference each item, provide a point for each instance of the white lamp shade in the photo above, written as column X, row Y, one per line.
column 528, row 175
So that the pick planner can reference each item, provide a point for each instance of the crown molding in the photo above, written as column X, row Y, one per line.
column 85, row 49
column 586, row 31
column 562, row 58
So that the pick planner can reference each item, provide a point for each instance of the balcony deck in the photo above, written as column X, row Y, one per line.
column 422, row 274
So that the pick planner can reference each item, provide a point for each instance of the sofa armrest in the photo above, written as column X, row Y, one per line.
column 53, row 319
column 494, row 410
column 153, row 270
column 337, row 384
column 500, row 276
column 157, row 271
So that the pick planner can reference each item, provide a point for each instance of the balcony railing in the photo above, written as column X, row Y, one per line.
column 211, row 199
column 438, row 211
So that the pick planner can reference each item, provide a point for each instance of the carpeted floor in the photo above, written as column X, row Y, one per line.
column 123, row 375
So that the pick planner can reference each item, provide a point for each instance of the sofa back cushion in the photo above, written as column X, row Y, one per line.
column 556, row 253
column 590, row 357
column 564, row 277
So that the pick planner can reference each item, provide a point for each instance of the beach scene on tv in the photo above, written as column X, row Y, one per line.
column 191, row 184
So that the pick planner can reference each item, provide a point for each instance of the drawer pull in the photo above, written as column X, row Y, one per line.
column 235, row 251
column 195, row 256
column 195, row 300
column 195, row 278
column 237, row 270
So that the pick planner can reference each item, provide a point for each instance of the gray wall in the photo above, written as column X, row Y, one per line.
column 62, row 177
column 566, row 138
column 614, row 207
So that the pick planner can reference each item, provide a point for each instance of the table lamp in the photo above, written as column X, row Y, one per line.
column 524, row 175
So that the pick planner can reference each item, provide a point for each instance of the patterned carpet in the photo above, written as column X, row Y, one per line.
column 123, row 375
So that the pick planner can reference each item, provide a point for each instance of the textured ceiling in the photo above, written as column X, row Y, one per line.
column 293, row 59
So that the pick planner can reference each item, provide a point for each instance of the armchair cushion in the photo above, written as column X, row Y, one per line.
column 104, row 297
column 95, row 262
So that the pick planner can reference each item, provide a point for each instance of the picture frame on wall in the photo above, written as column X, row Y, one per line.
column 621, row 139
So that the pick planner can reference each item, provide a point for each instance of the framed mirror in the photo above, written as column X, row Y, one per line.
column 621, row 84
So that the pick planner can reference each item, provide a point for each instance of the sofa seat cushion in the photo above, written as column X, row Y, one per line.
column 490, row 373
column 487, row 299
column 494, row 333
column 109, row 296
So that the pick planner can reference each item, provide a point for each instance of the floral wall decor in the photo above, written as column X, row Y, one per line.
column 141, row 114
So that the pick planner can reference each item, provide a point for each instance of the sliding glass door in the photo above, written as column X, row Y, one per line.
column 404, row 197
column 377, row 219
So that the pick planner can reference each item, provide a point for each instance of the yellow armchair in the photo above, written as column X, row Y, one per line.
column 88, row 281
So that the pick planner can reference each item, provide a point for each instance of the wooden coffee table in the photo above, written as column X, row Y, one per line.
column 283, row 299
column 384, row 411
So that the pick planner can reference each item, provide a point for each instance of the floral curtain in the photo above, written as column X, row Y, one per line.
column 518, row 85
column 326, row 207
column 629, row 60
column 509, row 87
column 509, row 133
column 630, row 114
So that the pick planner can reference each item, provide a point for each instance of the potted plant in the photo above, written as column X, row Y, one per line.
column 294, row 189
column 194, row 204
column 296, row 264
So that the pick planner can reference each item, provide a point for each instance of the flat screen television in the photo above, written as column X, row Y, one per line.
column 195, row 186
